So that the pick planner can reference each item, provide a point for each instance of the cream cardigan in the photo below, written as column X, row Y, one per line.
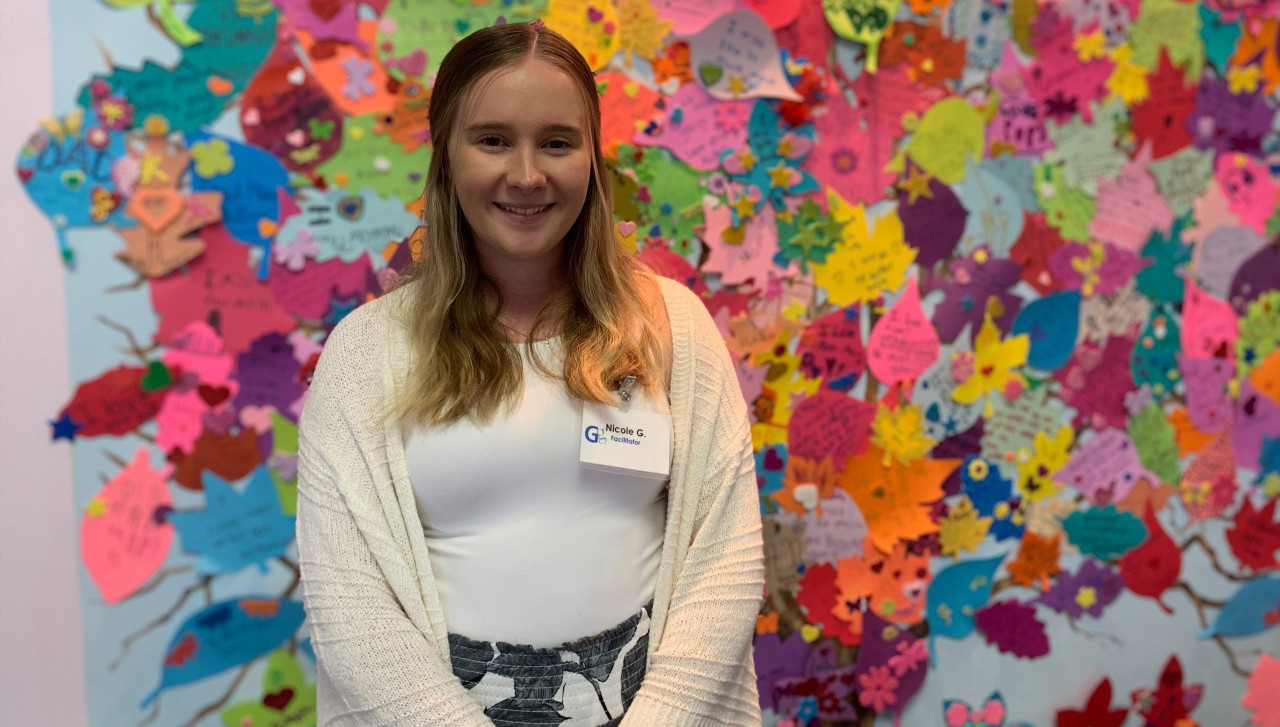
column 377, row 628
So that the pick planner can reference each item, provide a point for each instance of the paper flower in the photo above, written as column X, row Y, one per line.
column 877, row 688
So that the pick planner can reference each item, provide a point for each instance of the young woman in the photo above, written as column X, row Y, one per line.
column 526, row 491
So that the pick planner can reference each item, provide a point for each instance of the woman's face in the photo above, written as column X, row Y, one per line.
column 520, row 159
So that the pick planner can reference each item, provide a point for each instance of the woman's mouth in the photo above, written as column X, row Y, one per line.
column 523, row 210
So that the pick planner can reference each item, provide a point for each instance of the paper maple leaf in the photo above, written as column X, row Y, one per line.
column 894, row 498
column 1255, row 536
column 962, row 529
column 1097, row 713
column 1170, row 702
column 1037, row 560
column 900, row 433
column 994, row 364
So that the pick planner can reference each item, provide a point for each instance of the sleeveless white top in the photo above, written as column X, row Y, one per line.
column 527, row 546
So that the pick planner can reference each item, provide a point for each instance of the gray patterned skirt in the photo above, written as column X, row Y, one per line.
column 584, row 683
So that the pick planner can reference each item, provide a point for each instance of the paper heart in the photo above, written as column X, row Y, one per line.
column 709, row 73
column 213, row 395
column 257, row 418
column 773, row 461
column 326, row 9
column 157, row 378
column 413, row 64
column 296, row 76
column 626, row 229
column 219, row 86
column 219, row 422
column 810, row 633
column 296, row 138
column 73, row 179
column 156, row 208
column 631, row 89
column 806, row 495
column 25, row 174
column 594, row 15
column 462, row 24
column 279, row 700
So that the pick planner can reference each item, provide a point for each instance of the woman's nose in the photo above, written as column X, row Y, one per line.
column 525, row 170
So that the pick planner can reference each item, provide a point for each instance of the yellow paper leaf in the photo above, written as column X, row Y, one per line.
column 870, row 258
column 642, row 31
column 900, row 433
column 994, row 361
column 1128, row 80
column 1035, row 475
column 962, row 529
column 949, row 134
column 593, row 31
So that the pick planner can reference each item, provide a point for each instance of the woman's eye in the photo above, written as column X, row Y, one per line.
column 492, row 141
column 560, row 144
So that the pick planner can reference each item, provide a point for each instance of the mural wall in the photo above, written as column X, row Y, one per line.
column 1001, row 279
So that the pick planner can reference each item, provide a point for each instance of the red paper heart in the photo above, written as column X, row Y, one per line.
column 25, row 174
column 279, row 700
column 213, row 395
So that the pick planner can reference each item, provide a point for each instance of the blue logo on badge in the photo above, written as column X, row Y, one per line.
column 593, row 434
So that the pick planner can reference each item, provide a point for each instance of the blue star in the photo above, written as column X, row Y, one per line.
column 338, row 309
column 65, row 428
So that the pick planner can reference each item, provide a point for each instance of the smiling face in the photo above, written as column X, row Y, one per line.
column 520, row 160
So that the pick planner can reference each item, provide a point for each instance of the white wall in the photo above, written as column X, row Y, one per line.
column 41, row 634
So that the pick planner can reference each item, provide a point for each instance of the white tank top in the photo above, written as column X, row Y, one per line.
column 527, row 546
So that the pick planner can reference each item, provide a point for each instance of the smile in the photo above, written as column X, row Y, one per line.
column 523, row 210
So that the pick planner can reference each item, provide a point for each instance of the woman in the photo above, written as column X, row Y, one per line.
column 526, row 486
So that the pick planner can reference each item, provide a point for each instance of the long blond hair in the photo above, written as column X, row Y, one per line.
column 465, row 366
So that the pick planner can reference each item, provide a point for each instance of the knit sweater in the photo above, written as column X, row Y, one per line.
column 377, row 627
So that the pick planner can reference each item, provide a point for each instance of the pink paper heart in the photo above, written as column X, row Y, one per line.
column 296, row 138
column 594, row 15
column 257, row 418
column 626, row 228
column 251, row 117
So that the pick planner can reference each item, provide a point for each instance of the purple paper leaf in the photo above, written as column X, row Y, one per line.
column 1013, row 628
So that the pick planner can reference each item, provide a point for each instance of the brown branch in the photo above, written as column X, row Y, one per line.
column 116, row 459
column 1231, row 656
column 1093, row 635
column 297, row 576
column 125, row 287
column 157, row 579
column 134, row 347
column 1198, row 539
column 151, row 716
column 155, row 624
column 214, row 706
column 1200, row 602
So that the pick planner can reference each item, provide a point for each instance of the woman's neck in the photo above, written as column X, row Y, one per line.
column 525, row 291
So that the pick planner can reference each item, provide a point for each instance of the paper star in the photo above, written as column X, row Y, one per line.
column 95, row 508
column 916, row 184
column 338, row 309
column 736, row 86
column 747, row 159
column 65, row 428
column 780, row 175
column 744, row 206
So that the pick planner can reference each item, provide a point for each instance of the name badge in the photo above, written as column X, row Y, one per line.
column 626, row 441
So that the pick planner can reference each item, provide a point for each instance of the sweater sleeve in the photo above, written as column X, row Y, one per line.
column 702, row 672
column 374, row 665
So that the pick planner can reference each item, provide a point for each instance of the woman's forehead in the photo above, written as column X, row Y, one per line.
column 530, row 93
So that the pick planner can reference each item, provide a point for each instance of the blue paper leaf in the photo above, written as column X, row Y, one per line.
column 1051, row 323
column 237, row 528
column 1255, row 607
column 250, row 192
column 956, row 594
column 224, row 635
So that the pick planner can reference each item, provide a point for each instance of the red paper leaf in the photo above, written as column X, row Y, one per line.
column 1013, row 628
column 1098, row 713
column 114, row 403
column 1151, row 568
column 1170, row 701
column 1255, row 536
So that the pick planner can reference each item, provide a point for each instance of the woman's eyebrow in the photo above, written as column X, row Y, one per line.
column 493, row 126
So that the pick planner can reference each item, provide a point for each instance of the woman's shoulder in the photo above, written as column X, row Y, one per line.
column 362, row 337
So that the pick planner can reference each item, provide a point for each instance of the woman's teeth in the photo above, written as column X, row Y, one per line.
column 524, row 211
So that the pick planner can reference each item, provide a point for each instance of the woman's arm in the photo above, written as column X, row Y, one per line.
column 702, row 670
column 375, row 666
